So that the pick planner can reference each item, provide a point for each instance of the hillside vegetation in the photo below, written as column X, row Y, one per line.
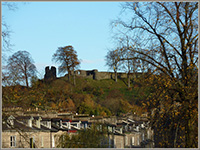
column 93, row 97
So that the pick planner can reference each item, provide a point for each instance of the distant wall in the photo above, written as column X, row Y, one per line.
column 95, row 74
column 50, row 73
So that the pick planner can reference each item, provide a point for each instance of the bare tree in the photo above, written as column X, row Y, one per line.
column 20, row 67
column 128, row 64
column 113, row 60
column 68, row 59
column 6, row 30
column 167, row 37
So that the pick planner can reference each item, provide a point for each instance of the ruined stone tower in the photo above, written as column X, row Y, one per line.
column 50, row 74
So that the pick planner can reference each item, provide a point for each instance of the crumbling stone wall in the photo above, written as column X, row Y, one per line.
column 90, row 74
column 50, row 74
column 96, row 75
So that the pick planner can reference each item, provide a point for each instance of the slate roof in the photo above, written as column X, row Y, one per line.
column 109, row 124
column 18, row 126
column 83, row 122
column 138, row 122
column 55, row 127
column 66, row 120
column 37, row 117
column 46, row 119
column 147, row 141
column 56, row 119
column 23, row 117
column 19, row 123
column 118, row 133
column 44, row 128
column 123, row 123
column 74, row 121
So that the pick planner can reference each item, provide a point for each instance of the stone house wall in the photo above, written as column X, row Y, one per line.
column 42, row 139
column 119, row 141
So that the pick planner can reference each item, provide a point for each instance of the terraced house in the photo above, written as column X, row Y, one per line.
column 30, row 132
column 43, row 132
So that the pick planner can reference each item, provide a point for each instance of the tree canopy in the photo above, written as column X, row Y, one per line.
column 95, row 139
column 165, row 36
column 68, row 59
column 21, row 67
column 113, row 61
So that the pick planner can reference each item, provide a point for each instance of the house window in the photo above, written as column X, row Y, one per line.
column 32, row 142
column 133, row 141
column 53, row 142
column 143, row 136
column 13, row 141
column 11, row 122
column 126, row 140
column 30, row 123
column 49, row 124
column 138, row 140
column 109, row 142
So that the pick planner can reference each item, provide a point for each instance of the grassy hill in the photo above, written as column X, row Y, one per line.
column 99, row 97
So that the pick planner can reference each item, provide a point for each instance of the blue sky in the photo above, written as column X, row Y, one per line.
column 41, row 27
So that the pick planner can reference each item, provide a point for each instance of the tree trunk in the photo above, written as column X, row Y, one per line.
column 68, row 77
column 26, row 81
column 115, row 76
column 176, row 134
column 128, row 80
column 187, row 145
column 68, row 74
column 74, row 79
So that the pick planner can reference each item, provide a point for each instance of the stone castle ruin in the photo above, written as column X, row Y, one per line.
column 90, row 74
column 50, row 73
column 96, row 75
